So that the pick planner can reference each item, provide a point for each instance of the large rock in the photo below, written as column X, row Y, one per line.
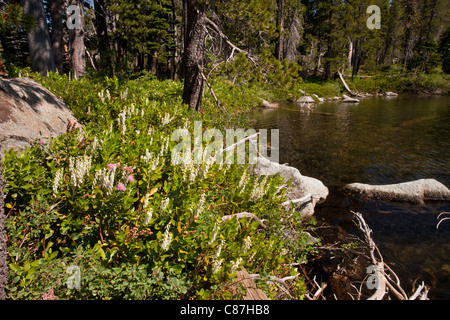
column 350, row 100
column 415, row 191
column 305, row 99
column 28, row 112
column 301, row 185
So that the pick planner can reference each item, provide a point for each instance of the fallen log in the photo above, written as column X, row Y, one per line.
column 346, row 85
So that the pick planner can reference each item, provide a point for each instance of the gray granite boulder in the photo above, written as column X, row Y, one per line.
column 302, row 186
column 28, row 112
column 415, row 191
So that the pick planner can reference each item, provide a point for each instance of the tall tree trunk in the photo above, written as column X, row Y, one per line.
column 293, row 24
column 280, row 21
column 77, row 49
column 39, row 44
column 56, row 12
column 3, row 252
column 350, row 53
column 175, row 61
column 357, row 56
column 193, row 54
column 101, row 28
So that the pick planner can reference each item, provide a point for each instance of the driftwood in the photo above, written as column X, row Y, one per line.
column 388, row 281
column 244, row 215
column 241, row 142
column 305, row 199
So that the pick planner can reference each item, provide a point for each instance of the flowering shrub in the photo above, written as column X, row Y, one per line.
column 108, row 199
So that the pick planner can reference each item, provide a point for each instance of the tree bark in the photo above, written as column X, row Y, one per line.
column 77, row 49
column 280, row 21
column 3, row 252
column 56, row 12
column 175, row 61
column 101, row 28
column 39, row 44
column 350, row 53
column 193, row 54
column 356, row 59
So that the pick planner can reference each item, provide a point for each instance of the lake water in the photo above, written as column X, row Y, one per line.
column 378, row 141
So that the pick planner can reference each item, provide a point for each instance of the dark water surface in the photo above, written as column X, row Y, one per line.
column 378, row 141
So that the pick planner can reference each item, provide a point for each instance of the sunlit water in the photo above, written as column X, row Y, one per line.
column 378, row 141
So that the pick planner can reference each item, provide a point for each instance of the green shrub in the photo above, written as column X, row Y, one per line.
column 109, row 200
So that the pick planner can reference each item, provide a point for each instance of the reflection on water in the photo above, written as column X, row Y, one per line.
column 378, row 141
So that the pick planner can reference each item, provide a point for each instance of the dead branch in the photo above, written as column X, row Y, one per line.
column 219, row 105
column 346, row 85
column 233, row 48
column 244, row 215
column 305, row 199
column 241, row 142
column 385, row 280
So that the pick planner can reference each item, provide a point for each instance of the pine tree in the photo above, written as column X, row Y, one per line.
column 143, row 34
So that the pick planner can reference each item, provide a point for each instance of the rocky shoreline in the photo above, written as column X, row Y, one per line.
column 339, row 269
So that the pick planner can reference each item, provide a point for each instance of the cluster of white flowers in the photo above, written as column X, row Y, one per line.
column 259, row 190
column 164, row 146
column 150, row 159
column 124, row 95
column 105, row 179
column 214, row 233
column 148, row 210
column 148, row 216
column 219, row 249
column 247, row 244
column 167, row 238
column 122, row 122
column 164, row 205
column 102, row 95
column 216, row 265
column 79, row 169
column 95, row 145
column 236, row 264
column 166, row 119
column 200, row 205
column 57, row 181
column 190, row 171
column 243, row 182
column 128, row 112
